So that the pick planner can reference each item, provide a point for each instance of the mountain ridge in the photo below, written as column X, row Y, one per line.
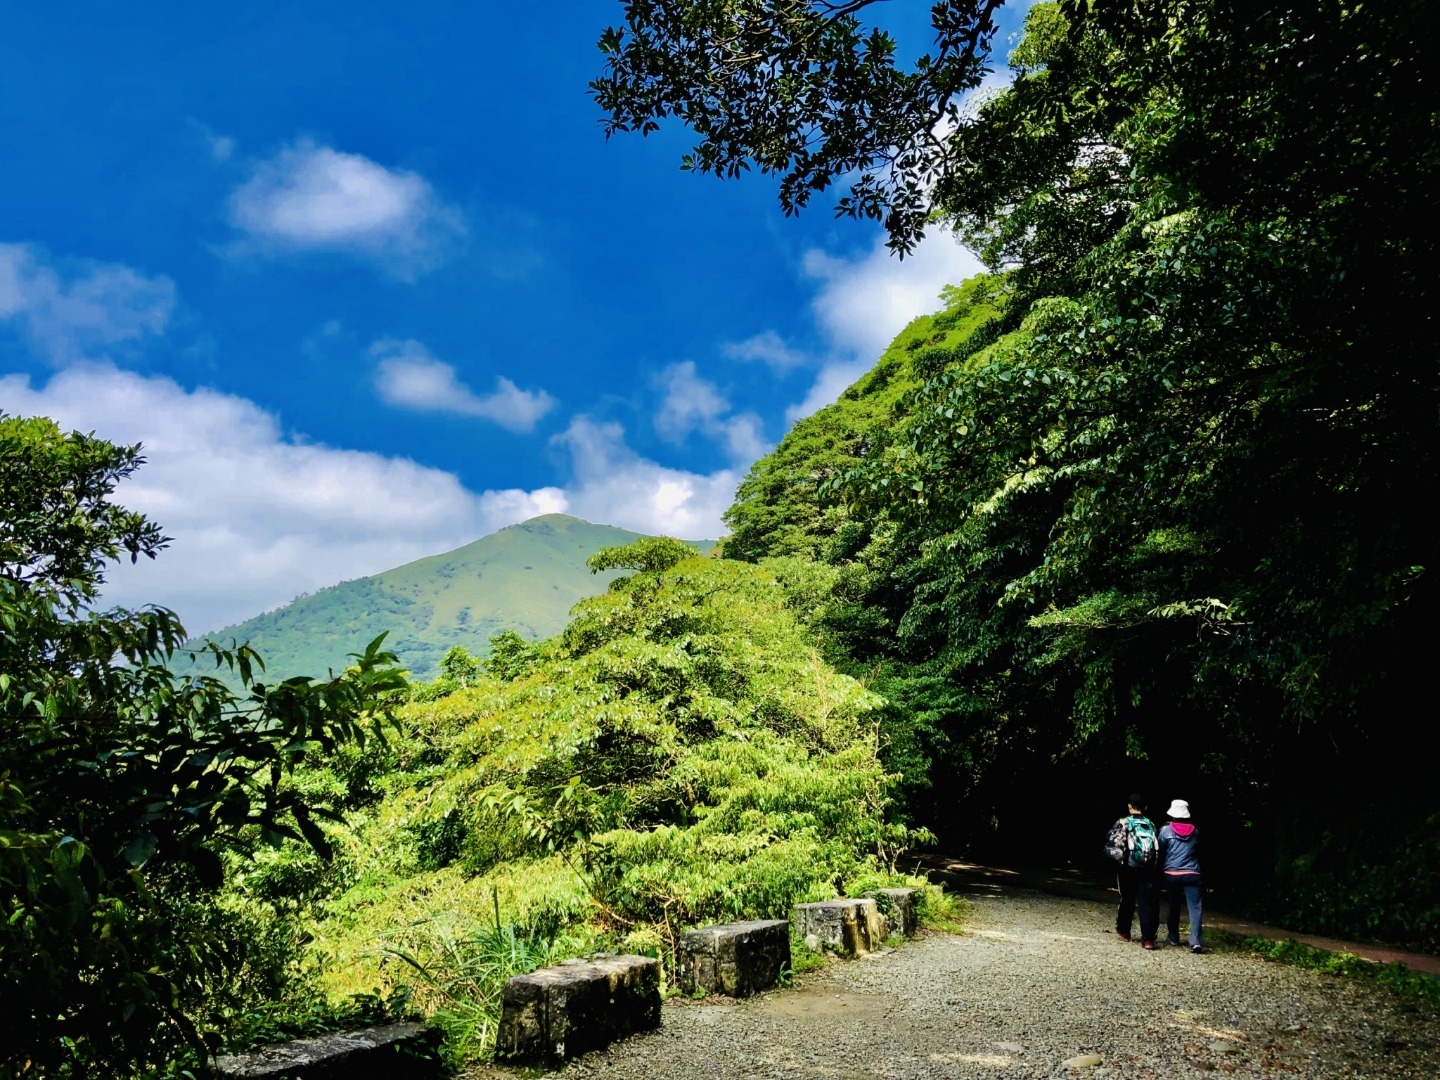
column 524, row 577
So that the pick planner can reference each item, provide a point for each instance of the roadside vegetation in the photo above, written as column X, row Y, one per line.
column 187, row 869
column 1412, row 988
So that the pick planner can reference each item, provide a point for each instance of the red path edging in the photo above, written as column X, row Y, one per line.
column 1071, row 883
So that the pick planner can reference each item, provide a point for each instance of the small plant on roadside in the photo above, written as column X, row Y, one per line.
column 803, row 959
column 940, row 910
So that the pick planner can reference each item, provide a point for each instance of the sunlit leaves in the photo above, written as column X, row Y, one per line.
column 681, row 745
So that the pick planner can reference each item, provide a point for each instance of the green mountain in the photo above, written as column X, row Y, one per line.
column 524, row 578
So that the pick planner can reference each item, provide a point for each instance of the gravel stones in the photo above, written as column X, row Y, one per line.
column 1035, row 982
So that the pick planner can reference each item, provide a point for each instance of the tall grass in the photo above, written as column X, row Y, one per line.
column 460, row 978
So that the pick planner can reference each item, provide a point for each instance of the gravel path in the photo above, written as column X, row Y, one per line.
column 1034, row 982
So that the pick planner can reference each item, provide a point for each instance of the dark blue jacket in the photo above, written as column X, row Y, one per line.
column 1179, row 854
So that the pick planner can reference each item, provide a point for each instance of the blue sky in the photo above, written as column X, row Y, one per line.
column 368, row 282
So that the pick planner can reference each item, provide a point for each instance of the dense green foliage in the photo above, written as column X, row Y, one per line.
column 1182, row 431
column 778, row 507
column 122, row 785
column 524, row 578
column 1170, row 507
column 858, row 609
column 680, row 754
column 1156, row 521
column 186, row 870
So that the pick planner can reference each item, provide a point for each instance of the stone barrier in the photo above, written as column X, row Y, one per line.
column 572, row 1008
column 898, row 908
column 382, row 1053
column 850, row 927
column 738, row 959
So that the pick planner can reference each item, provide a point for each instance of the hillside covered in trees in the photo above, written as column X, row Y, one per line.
column 524, row 578
column 1158, row 518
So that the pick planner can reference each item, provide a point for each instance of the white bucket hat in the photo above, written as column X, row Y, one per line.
column 1179, row 809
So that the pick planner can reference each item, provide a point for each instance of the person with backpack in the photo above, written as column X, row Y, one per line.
column 1180, row 865
column 1134, row 847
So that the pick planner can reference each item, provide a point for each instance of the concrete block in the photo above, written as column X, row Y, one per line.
column 850, row 927
column 738, row 959
column 396, row 1050
column 581, row 1005
column 899, row 909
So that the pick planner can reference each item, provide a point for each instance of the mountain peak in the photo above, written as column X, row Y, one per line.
column 564, row 521
column 525, row 577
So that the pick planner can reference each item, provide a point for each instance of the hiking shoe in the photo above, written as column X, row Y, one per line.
column 1173, row 942
column 1147, row 944
column 1196, row 949
column 1123, row 934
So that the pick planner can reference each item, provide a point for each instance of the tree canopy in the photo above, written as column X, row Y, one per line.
column 801, row 89
column 121, row 785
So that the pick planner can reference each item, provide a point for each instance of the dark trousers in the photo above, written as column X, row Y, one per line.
column 1138, row 889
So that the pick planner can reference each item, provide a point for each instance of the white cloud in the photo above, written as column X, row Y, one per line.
column 862, row 303
column 258, row 515
column 833, row 380
column 690, row 402
column 613, row 484
column 694, row 404
column 744, row 437
column 769, row 348
column 409, row 376
column 70, row 311
column 315, row 198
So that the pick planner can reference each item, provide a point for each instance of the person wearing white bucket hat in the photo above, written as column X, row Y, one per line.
column 1180, row 867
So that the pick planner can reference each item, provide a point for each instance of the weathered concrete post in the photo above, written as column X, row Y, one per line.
column 581, row 1005
column 738, row 959
column 396, row 1050
column 898, row 907
column 850, row 927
